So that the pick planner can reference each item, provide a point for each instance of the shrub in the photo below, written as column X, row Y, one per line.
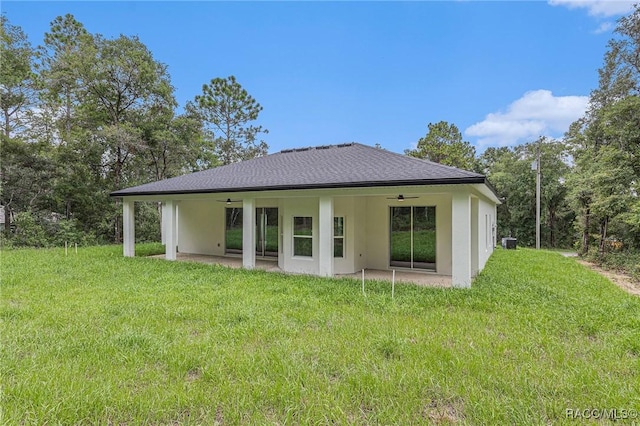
column 33, row 230
column 29, row 232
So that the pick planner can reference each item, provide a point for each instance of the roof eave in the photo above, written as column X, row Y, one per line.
column 366, row 184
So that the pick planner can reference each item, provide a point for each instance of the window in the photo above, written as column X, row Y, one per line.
column 487, row 233
column 303, row 236
column 338, row 237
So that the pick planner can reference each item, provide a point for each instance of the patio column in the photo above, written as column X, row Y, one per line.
column 325, row 237
column 128, row 228
column 170, row 230
column 163, row 223
column 461, row 240
column 248, row 233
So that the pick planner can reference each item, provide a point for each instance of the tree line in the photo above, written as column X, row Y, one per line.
column 83, row 115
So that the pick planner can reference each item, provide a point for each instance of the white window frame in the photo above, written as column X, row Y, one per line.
column 294, row 236
column 339, row 237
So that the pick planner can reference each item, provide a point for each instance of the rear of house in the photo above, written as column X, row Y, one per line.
column 329, row 210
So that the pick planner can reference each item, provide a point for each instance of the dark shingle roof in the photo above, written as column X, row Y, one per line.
column 331, row 166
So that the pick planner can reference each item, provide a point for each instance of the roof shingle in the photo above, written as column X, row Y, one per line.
column 328, row 166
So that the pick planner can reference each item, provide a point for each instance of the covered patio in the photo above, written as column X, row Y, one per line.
column 423, row 279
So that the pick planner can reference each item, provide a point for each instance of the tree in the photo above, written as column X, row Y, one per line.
column 122, row 83
column 443, row 144
column 59, row 65
column 509, row 170
column 17, row 92
column 26, row 175
column 605, row 144
column 227, row 110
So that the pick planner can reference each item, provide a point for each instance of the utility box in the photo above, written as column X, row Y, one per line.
column 509, row 243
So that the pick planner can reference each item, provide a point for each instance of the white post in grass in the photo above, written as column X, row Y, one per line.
column 76, row 248
column 325, row 236
column 363, row 283
column 393, row 282
column 461, row 239
column 171, row 234
column 65, row 248
column 128, row 228
column 248, row 233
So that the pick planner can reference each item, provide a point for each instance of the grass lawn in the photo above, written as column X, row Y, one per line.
column 96, row 338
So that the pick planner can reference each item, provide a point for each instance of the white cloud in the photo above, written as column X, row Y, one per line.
column 604, row 27
column 537, row 113
column 598, row 7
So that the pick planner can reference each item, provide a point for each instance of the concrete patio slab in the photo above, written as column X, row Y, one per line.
column 425, row 279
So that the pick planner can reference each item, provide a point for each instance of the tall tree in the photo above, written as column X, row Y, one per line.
column 443, row 144
column 228, row 110
column 605, row 143
column 122, row 83
column 17, row 94
column 59, row 65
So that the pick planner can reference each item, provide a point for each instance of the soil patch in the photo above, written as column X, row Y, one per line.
column 621, row 280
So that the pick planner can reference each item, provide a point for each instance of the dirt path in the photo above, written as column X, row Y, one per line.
column 621, row 280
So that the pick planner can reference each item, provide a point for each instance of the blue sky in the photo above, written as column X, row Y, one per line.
column 372, row 72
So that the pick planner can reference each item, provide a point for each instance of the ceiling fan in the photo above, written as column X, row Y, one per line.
column 228, row 201
column 400, row 198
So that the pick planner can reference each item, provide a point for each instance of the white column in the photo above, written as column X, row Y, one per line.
column 128, row 228
column 325, row 237
column 461, row 240
column 163, row 224
column 170, row 230
column 249, row 233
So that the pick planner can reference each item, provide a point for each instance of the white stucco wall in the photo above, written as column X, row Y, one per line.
column 476, row 226
column 358, row 224
column 201, row 227
column 486, row 223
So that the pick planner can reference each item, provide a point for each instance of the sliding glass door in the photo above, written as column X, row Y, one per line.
column 413, row 237
column 267, row 231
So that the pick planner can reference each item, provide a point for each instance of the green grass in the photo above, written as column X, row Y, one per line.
column 96, row 338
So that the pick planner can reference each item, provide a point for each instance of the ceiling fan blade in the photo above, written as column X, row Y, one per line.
column 400, row 198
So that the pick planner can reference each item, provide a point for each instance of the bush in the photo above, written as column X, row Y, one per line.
column 627, row 262
column 28, row 232
column 33, row 230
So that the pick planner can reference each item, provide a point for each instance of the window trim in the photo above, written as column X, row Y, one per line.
column 294, row 236
column 339, row 237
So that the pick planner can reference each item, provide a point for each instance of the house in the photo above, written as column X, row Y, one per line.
column 328, row 210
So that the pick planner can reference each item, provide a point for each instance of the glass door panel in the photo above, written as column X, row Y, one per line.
column 424, row 237
column 233, row 230
column 271, row 231
column 267, row 231
column 401, row 237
